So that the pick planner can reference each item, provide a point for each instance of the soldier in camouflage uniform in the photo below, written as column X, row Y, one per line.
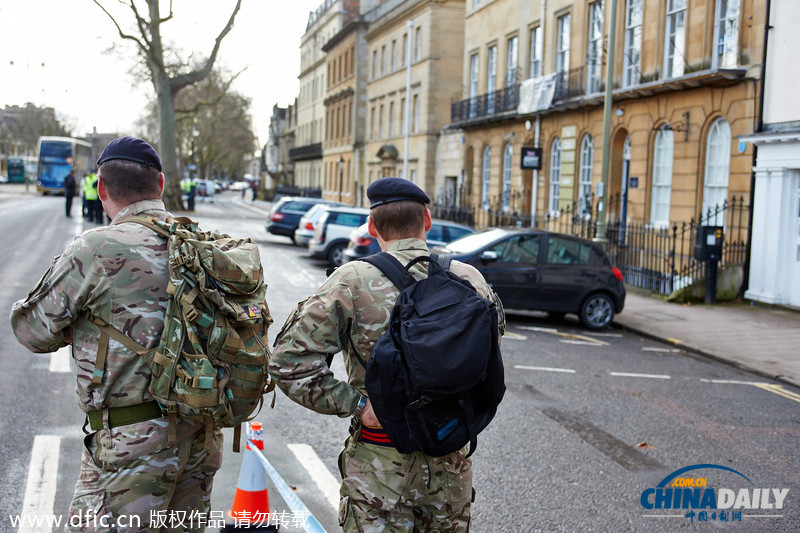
column 130, row 478
column 382, row 489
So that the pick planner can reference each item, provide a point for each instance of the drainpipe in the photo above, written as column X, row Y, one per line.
column 759, row 127
column 538, row 128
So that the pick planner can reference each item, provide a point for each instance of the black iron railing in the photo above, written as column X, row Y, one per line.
column 485, row 105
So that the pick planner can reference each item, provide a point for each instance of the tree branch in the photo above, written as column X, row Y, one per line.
column 122, row 34
column 181, row 81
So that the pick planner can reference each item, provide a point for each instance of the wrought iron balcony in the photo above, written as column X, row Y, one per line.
column 493, row 104
column 309, row 151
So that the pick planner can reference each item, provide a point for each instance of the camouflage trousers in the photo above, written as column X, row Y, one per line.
column 132, row 480
column 385, row 491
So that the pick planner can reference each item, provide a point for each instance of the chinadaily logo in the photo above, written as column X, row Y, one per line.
column 712, row 493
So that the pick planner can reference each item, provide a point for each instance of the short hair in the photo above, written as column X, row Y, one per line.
column 399, row 220
column 130, row 181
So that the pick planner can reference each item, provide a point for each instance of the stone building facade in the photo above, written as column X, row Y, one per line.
column 683, row 81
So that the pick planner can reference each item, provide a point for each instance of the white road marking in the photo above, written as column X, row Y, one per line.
column 40, row 491
column 514, row 336
column 665, row 350
column 634, row 375
column 59, row 360
column 731, row 382
column 581, row 343
column 327, row 484
column 546, row 369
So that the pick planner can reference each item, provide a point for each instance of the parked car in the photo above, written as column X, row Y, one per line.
column 332, row 232
column 305, row 228
column 543, row 271
column 284, row 217
column 442, row 232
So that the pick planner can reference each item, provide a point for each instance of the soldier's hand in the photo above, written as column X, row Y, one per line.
column 368, row 416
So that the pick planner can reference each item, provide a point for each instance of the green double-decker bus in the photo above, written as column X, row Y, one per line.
column 21, row 169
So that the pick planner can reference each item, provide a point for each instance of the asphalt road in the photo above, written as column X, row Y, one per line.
column 589, row 420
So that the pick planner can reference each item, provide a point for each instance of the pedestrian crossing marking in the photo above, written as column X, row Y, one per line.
column 59, row 360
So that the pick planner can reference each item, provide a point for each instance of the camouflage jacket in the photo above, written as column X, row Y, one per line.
column 119, row 274
column 350, row 311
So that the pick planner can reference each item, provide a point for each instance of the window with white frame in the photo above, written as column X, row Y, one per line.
column 374, row 64
column 491, row 78
column 715, row 184
column 404, row 118
column 633, row 43
column 403, row 50
column 415, row 123
column 418, row 45
column 594, row 59
column 491, row 70
column 675, row 35
column 662, row 178
column 391, row 119
column 380, row 123
column 508, row 157
column 585, row 177
column 535, row 67
column 562, row 51
column 726, row 34
column 511, row 61
column 555, row 176
column 473, row 85
column 393, row 57
column 485, row 176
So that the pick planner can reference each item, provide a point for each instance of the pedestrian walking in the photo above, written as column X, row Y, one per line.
column 69, row 191
column 130, row 469
column 382, row 489
column 84, row 202
column 254, row 189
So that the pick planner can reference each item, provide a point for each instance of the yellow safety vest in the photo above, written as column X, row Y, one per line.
column 90, row 187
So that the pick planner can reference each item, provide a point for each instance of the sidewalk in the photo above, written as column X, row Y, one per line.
column 764, row 340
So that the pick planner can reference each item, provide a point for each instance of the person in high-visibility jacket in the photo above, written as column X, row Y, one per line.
column 90, row 194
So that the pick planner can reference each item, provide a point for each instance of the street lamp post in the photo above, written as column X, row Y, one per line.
column 340, row 166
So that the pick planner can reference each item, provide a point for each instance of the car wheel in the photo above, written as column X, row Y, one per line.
column 597, row 311
column 336, row 254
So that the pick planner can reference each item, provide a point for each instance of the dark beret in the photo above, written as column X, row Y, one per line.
column 130, row 149
column 387, row 190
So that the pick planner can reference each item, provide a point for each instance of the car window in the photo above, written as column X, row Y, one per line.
column 518, row 249
column 349, row 219
column 455, row 233
column 568, row 252
column 436, row 233
column 301, row 207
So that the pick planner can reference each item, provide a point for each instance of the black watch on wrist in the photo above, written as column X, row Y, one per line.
column 362, row 403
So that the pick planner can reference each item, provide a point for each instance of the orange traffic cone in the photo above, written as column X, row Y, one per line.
column 250, row 508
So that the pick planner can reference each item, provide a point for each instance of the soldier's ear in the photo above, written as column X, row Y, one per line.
column 102, row 192
column 161, row 182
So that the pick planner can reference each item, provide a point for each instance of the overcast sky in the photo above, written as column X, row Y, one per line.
column 54, row 53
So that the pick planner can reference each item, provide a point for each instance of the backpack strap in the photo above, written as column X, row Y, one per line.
column 392, row 268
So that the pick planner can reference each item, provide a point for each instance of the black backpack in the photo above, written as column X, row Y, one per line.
column 435, row 377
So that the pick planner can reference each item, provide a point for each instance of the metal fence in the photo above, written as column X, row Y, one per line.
column 660, row 259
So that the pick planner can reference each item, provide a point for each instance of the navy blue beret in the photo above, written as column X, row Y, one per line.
column 130, row 149
column 387, row 190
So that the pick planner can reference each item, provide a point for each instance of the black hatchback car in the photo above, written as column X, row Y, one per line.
column 285, row 215
column 543, row 271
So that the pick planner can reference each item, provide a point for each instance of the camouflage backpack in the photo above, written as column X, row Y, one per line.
column 211, row 362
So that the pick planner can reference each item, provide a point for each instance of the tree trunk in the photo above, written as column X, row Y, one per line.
column 167, row 147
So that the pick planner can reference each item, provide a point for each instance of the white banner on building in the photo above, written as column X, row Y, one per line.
column 536, row 94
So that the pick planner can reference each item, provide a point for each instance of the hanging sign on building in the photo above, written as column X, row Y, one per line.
column 531, row 158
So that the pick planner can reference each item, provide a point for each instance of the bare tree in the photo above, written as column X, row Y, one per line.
column 167, row 81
